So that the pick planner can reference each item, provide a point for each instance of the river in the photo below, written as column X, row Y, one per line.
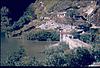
column 32, row 48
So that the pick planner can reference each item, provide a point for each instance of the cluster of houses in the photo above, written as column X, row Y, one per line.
column 71, row 41
column 64, row 30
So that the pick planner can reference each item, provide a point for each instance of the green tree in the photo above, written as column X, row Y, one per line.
column 6, row 25
column 86, row 38
column 28, row 61
column 4, row 11
column 56, row 56
column 27, row 16
column 96, row 52
column 14, row 59
column 82, row 57
column 97, row 55
column 78, row 57
column 56, row 59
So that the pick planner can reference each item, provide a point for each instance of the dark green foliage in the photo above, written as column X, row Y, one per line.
column 5, row 20
column 72, row 12
column 28, row 61
column 6, row 24
column 56, row 49
column 97, row 55
column 21, row 59
column 4, row 11
column 92, row 36
column 56, row 59
column 28, row 16
column 86, row 38
column 96, row 52
column 54, row 36
column 15, row 57
column 55, row 55
column 59, row 55
column 43, row 36
column 34, row 62
column 82, row 57
column 78, row 57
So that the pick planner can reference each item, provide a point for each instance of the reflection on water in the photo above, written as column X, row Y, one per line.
column 33, row 48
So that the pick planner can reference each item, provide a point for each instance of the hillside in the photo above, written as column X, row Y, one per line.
column 41, row 10
column 52, row 33
column 69, row 12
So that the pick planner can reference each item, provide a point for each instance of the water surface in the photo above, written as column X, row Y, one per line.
column 32, row 48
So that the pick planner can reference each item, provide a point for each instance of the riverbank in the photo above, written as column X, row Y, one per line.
column 33, row 48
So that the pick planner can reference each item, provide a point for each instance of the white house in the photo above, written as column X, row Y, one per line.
column 51, row 24
column 73, row 43
column 61, row 14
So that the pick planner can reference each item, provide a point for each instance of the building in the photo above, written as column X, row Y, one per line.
column 63, row 34
column 69, row 39
column 50, row 24
column 61, row 14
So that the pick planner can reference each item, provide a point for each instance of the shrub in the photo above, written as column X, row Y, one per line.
column 43, row 35
column 78, row 57
column 82, row 57
column 15, row 57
